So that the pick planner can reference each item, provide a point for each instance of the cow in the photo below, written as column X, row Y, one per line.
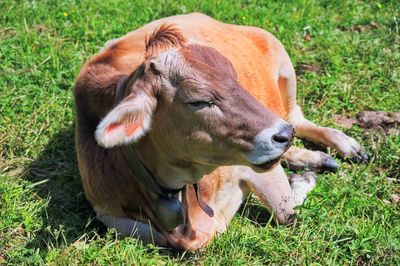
column 179, row 120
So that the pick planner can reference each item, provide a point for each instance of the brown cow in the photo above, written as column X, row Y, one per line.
column 179, row 120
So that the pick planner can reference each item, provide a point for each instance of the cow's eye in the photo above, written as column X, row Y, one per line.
column 201, row 104
column 154, row 69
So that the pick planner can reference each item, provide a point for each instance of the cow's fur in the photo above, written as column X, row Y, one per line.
column 171, row 63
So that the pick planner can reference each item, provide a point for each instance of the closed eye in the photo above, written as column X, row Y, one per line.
column 201, row 104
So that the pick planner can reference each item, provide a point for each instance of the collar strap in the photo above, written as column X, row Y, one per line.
column 136, row 165
column 143, row 174
column 134, row 162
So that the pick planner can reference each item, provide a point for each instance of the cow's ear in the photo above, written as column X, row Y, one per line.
column 128, row 121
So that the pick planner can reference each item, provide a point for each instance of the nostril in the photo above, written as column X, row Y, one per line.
column 281, row 138
column 284, row 136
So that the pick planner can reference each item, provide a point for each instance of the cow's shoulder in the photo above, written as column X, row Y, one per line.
column 265, row 41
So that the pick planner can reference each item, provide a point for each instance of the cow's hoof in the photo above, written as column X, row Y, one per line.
column 361, row 157
column 329, row 165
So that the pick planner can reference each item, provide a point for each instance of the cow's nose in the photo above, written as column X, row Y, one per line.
column 284, row 137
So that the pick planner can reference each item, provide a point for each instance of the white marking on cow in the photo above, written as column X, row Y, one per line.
column 263, row 150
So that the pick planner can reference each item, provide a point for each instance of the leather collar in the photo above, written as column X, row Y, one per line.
column 130, row 154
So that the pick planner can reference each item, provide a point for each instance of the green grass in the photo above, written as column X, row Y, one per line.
column 347, row 219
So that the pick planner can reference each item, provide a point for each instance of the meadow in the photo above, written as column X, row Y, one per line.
column 347, row 57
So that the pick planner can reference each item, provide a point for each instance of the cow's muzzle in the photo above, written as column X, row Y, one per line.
column 270, row 144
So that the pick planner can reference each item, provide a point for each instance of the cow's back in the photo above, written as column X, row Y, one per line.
column 251, row 50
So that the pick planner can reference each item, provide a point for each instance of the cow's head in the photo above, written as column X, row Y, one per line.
column 186, row 103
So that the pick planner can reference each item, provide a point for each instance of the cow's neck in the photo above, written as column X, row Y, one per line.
column 168, row 171
column 168, row 209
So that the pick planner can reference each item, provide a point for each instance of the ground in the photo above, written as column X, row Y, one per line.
column 346, row 54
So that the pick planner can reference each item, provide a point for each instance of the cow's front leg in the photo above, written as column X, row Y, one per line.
column 301, row 185
column 298, row 158
column 346, row 146
column 279, row 196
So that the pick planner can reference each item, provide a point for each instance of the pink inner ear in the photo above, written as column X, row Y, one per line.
column 131, row 128
column 112, row 127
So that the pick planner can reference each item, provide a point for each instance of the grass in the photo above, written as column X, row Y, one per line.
column 348, row 219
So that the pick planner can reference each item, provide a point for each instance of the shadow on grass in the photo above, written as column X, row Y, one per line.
column 55, row 176
column 257, row 214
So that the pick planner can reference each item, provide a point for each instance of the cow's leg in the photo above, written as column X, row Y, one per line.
column 301, row 185
column 345, row 146
column 298, row 158
column 278, row 194
column 133, row 228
